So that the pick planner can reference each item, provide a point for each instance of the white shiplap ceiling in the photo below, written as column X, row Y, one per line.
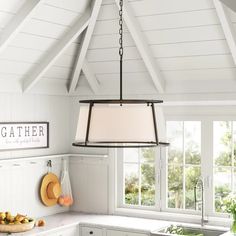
column 181, row 46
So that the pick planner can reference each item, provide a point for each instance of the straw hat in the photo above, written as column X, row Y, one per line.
column 50, row 189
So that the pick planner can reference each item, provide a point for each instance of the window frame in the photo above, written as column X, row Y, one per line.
column 207, row 169
column 164, row 154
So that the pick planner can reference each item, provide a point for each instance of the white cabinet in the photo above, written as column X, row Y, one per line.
column 123, row 233
column 91, row 231
column 94, row 231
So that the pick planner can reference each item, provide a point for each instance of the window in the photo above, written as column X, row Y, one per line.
column 224, row 161
column 184, row 159
column 139, row 176
column 165, row 180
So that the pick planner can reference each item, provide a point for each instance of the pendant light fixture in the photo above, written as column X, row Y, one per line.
column 120, row 122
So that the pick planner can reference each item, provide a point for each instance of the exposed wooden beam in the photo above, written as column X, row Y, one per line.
column 84, row 45
column 227, row 25
column 91, row 78
column 143, row 47
column 230, row 3
column 56, row 51
column 18, row 21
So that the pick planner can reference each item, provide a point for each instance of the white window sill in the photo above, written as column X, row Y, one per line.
column 173, row 217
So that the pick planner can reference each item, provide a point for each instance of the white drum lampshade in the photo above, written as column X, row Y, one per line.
column 116, row 125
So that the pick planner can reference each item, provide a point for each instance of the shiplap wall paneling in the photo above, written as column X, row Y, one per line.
column 49, row 22
column 20, row 183
column 89, row 179
column 54, row 109
column 185, row 38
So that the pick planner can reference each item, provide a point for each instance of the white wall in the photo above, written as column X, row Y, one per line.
column 26, row 107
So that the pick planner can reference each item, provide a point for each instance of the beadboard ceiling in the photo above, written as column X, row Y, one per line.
column 175, row 50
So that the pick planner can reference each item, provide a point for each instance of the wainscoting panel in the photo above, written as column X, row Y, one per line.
column 20, row 182
column 89, row 178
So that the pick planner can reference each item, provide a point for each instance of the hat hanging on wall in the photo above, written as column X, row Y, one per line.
column 50, row 189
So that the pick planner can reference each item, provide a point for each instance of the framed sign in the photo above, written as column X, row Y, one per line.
column 24, row 135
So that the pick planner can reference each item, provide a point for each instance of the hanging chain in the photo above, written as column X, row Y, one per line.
column 121, row 29
column 121, row 44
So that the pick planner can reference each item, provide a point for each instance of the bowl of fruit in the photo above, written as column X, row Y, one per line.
column 15, row 224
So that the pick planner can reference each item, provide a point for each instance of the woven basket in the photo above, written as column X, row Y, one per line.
column 17, row 228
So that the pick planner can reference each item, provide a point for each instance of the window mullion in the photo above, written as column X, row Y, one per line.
column 207, row 167
column 232, row 157
column 158, row 200
column 120, row 178
column 184, row 165
column 139, row 177
column 164, row 178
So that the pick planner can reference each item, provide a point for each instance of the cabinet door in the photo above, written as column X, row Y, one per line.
column 123, row 233
column 134, row 234
column 114, row 233
column 91, row 231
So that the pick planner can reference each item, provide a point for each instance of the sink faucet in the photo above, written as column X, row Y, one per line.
column 200, row 185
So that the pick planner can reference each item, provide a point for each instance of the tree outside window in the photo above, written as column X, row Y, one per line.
column 139, row 176
column 184, row 160
column 224, row 161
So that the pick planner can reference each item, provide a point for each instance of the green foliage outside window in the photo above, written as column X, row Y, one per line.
column 183, row 163
column 224, row 161
column 147, row 179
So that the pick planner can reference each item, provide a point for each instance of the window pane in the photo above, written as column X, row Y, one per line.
column 192, row 174
column 175, row 186
column 175, row 137
column 131, row 184
column 131, row 155
column 192, row 139
column 147, row 155
column 222, row 180
column 222, row 143
column 148, row 184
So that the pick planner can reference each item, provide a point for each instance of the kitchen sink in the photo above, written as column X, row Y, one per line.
column 188, row 231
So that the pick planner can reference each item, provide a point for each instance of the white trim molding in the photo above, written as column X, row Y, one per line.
column 227, row 26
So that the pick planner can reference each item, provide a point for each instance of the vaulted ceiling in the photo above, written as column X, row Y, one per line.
column 176, row 50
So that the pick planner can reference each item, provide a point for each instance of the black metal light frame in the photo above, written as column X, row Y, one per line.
column 121, row 101
column 131, row 144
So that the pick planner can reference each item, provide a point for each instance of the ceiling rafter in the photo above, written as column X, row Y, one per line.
column 57, row 50
column 91, row 78
column 230, row 3
column 227, row 25
column 18, row 21
column 84, row 47
column 143, row 47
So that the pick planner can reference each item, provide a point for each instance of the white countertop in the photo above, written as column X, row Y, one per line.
column 64, row 220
